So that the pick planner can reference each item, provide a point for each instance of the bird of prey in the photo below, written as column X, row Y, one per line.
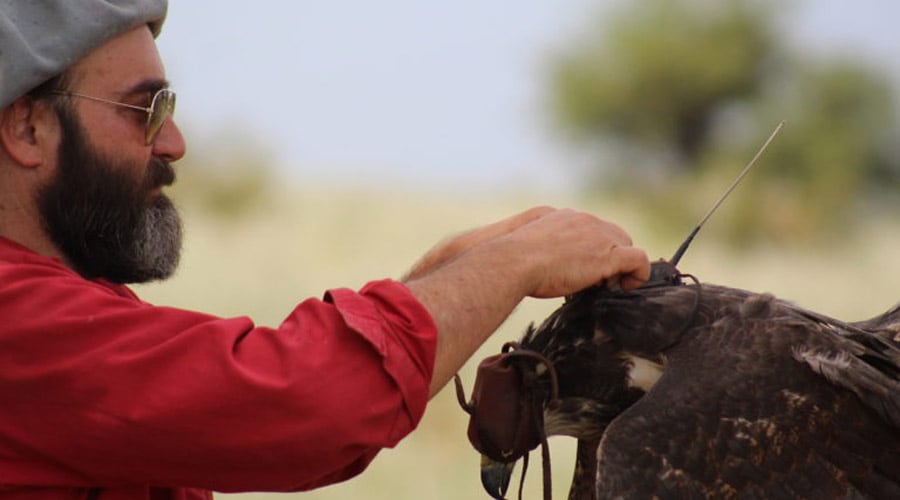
column 749, row 396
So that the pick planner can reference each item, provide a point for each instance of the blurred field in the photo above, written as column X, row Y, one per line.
column 303, row 241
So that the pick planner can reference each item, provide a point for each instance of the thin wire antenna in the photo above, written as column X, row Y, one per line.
column 684, row 246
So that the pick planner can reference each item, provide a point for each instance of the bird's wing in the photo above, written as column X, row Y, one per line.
column 649, row 321
column 862, row 357
column 734, row 412
column 887, row 324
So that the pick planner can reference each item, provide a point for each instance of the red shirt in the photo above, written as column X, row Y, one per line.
column 101, row 393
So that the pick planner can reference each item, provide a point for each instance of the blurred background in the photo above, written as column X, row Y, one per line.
column 332, row 143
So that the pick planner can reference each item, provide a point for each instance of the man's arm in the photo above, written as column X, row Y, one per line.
column 471, row 283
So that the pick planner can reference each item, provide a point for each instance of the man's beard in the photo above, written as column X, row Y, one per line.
column 100, row 214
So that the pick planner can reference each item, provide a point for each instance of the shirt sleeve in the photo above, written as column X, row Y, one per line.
column 100, row 389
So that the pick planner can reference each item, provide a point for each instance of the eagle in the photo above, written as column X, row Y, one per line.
column 682, row 389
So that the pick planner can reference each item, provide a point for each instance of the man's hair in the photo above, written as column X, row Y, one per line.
column 45, row 91
column 58, row 82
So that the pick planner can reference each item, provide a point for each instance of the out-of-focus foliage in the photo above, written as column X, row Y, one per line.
column 656, row 74
column 672, row 97
column 224, row 177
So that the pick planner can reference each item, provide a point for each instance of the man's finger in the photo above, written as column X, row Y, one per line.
column 631, row 266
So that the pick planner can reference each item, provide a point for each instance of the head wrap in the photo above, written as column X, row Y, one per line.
column 40, row 39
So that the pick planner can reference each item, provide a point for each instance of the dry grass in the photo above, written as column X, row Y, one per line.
column 306, row 241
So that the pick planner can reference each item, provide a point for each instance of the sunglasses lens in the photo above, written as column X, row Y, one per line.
column 162, row 107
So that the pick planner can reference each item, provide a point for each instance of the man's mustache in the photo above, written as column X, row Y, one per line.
column 159, row 173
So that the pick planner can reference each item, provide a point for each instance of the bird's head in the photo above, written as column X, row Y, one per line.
column 567, row 376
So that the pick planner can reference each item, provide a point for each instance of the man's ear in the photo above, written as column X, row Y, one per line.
column 24, row 130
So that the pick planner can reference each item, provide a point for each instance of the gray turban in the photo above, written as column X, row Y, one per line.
column 39, row 39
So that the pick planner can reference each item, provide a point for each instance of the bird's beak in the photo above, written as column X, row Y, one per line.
column 495, row 476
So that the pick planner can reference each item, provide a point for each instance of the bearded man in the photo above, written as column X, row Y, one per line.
column 105, row 396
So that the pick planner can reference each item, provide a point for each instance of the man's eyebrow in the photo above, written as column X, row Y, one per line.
column 147, row 87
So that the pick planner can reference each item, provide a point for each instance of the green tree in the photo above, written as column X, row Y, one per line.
column 678, row 94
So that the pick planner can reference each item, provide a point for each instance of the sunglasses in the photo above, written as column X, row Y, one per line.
column 161, row 107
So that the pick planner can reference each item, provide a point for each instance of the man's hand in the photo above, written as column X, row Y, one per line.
column 472, row 282
column 451, row 248
column 573, row 250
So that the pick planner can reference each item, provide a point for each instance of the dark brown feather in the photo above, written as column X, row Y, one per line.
column 758, row 398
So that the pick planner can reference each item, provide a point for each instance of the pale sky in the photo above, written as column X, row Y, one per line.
column 417, row 92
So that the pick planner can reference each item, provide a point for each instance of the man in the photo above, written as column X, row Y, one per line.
column 103, row 395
